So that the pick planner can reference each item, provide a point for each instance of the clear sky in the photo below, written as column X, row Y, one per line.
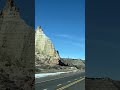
column 63, row 21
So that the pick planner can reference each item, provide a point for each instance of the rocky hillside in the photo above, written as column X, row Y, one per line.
column 45, row 53
column 47, row 59
column 16, row 50
column 78, row 63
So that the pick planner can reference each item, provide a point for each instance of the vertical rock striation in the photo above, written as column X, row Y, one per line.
column 16, row 50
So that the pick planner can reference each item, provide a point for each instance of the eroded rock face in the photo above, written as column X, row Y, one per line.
column 45, row 52
column 78, row 63
column 16, row 50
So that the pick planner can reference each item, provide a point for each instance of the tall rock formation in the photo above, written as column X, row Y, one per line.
column 16, row 50
column 45, row 52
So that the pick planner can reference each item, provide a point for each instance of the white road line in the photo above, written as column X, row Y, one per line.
column 69, row 81
column 49, row 80
column 44, row 89
column 59, row 84
column 52, row 79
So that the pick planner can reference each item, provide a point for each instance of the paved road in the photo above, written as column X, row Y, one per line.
column 71, row 81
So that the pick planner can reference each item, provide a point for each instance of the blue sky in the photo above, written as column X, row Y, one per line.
column 63, row 21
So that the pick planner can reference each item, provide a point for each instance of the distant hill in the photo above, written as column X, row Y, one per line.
column 78, row 63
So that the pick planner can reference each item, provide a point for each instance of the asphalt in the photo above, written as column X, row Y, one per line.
column 69, row 81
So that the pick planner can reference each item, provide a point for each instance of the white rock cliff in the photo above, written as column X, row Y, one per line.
column 44, row 49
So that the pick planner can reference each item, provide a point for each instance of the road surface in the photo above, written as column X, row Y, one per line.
column 70, row 81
